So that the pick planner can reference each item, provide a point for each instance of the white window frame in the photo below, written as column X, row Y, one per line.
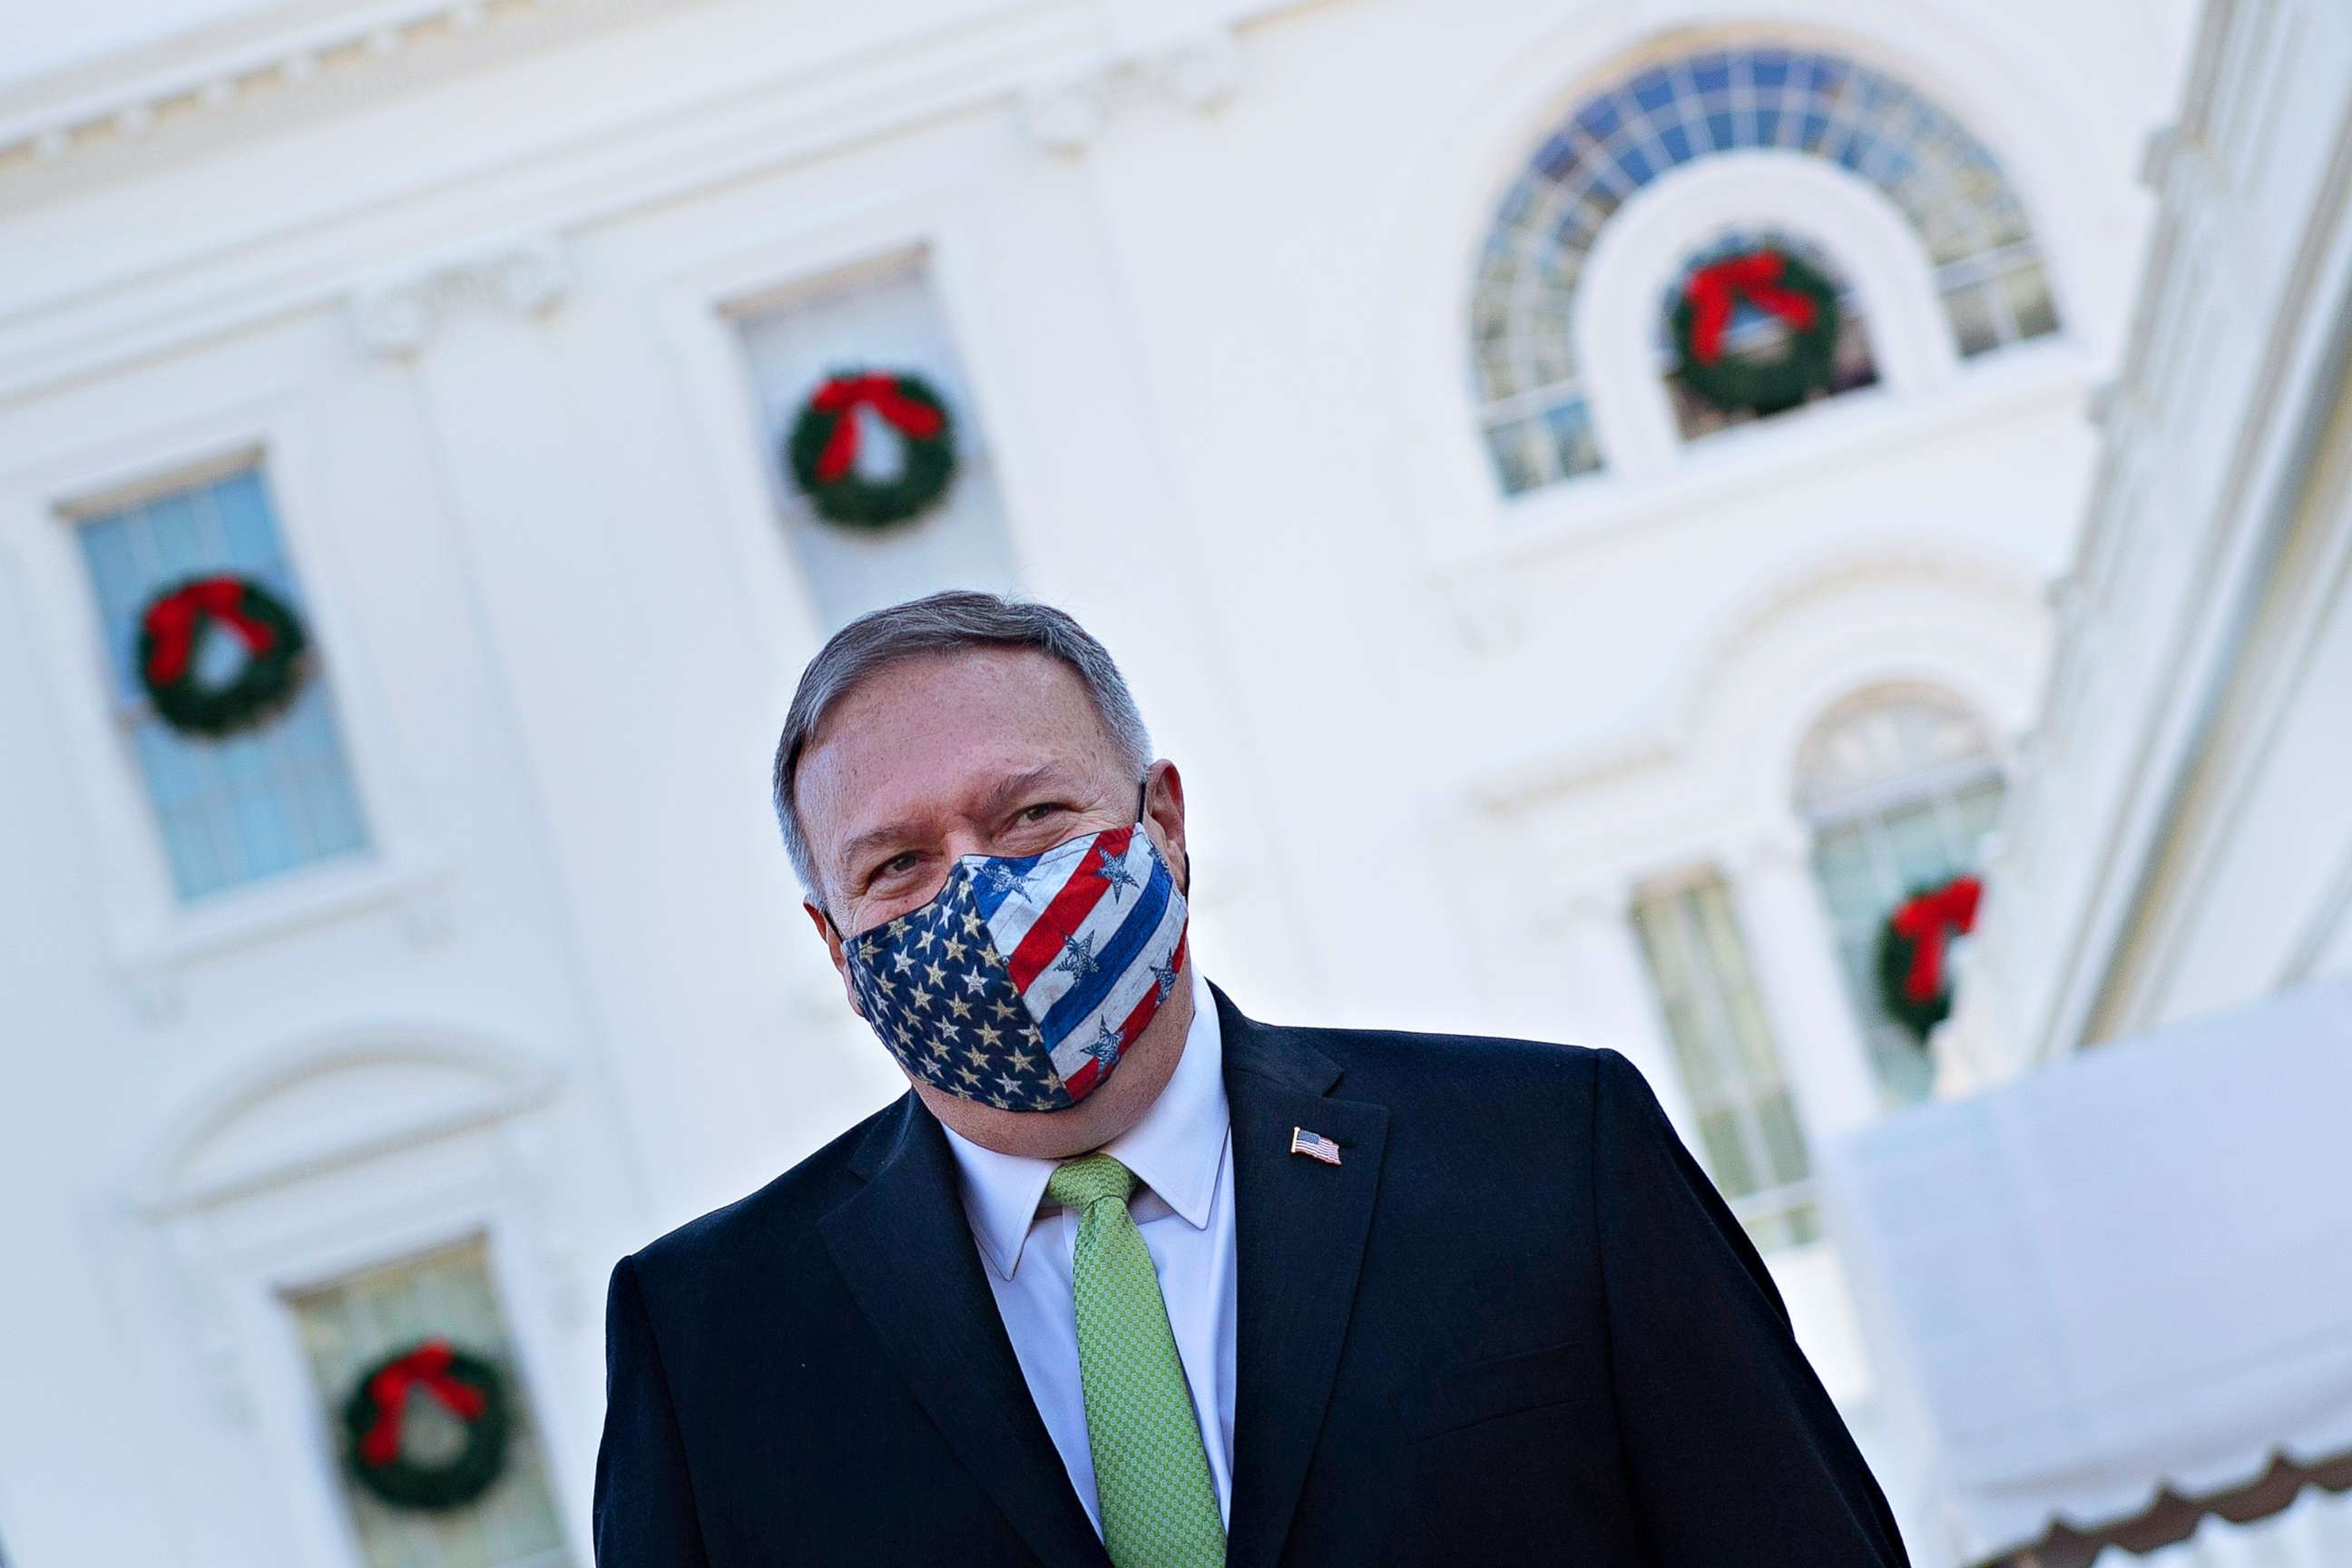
column 242, row 1238
column 152, row 934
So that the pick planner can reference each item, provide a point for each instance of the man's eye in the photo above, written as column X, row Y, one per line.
column 896, row 865
column 1040, row 812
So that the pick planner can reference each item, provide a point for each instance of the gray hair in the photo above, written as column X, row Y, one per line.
column 942, row 623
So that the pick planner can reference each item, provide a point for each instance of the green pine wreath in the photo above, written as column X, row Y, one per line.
column 1899, row 952
column 822, row 448
column 176, row 621
column 372, row 1426
column 1760, row 386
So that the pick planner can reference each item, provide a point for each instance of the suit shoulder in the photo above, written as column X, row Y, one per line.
column 1483, row 1057
column 1484, row 1075
column 787, row 1207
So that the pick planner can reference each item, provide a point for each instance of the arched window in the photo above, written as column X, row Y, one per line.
column 1900, row 784
column 1527, row 383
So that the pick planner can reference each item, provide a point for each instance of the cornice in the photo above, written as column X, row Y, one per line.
column 162, row 91
column 290, row 57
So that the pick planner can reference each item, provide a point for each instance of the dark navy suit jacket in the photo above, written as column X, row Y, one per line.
column 1515, row 1324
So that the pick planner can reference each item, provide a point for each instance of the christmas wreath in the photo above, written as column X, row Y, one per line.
column 823, row 447
column 467, row 1386
column 1779, row 284
column 175, row 618
column 1912, row 945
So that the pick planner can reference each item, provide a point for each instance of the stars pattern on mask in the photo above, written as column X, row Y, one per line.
column 1078, row 956
column 1116, row 873
column 936, row 989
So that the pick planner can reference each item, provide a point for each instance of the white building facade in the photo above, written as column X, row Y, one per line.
column 2110, row 1293
column 1316, row 356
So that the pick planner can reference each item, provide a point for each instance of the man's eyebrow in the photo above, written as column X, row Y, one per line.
column 1000, row 798
column 853, row 851
column 1004, row 792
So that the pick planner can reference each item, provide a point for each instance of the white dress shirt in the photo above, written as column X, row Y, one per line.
column 1184, row 1203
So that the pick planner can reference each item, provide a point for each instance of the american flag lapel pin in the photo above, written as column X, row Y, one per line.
column 1313, row 1145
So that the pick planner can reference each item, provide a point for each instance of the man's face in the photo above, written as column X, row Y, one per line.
column 986, row 751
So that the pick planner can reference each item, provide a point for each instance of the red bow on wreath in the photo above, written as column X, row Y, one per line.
column 1927, row 922
column 426, row 1367
column 1755, row 276
column 879, row 391
column 172, row 622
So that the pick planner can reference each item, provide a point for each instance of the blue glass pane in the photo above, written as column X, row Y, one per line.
column 1717, row 99
column 1599, row 119
column 180, row 545
column 1559, row 156
column 1651, row 91
column 250, row 543
column 233, row 808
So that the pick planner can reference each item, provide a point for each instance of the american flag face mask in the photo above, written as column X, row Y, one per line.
column 1024, row 981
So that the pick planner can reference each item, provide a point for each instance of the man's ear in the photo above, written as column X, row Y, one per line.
column 1163, row 817
column 831, row 938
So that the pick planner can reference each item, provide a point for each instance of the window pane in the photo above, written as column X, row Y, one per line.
column 1747, row 1133
column 262, row 800
column 1945, row 182
column 888, row 321
column 1897, row 805
column 2027, row 293
column 350, row 1326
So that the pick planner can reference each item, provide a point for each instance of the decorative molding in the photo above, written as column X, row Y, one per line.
column 498, row 1082
column 524, row 1149
column 1488, row 610
column 1196, row 71
column 1066, row 116
column 1783, row 847
column 219, row 72
column 395, row 313
column 204, row 1313
column 1725, row 643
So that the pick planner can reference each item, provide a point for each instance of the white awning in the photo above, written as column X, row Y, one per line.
column 2126, row 1274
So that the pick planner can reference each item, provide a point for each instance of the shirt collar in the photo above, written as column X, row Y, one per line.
column 1175, row 1149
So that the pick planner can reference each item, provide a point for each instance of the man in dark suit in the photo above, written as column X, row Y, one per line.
column 1129, row 1276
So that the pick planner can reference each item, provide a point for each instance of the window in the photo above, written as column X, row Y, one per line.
column 885, row 319
column 1753, row 334
column 1730, row 1068
column 1525, row 377
column 247, row 806
column 350, row 1326
column 1901, row 787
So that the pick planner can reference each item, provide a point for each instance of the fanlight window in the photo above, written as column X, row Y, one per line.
column 1530, row 388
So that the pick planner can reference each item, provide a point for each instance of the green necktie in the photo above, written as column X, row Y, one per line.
column 1151, row 1479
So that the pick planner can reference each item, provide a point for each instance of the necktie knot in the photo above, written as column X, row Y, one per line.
column 1090, row 1178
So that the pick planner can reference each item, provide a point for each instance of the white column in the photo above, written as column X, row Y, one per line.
column 1607, row 998
column 1793, row 947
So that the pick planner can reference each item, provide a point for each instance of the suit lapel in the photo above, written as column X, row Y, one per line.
column 905, row 1248
column 1299, row 1230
